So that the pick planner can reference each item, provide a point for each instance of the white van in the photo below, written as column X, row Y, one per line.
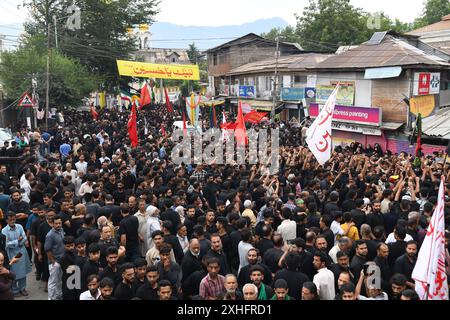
column 178, row 125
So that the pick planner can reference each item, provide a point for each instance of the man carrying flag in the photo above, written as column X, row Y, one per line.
column 429, row 271
column 318, row 136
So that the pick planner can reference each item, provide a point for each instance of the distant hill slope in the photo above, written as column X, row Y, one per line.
column 164, row 33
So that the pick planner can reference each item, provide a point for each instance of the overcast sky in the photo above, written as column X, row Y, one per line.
column 218, row 13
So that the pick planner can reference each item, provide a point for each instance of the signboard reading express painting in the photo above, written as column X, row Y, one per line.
column 345, row 97
column 159, row 71
column 360, row 115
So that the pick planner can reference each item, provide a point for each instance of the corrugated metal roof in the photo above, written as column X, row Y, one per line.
column 442, row 25
column 294, row 62
column 438, row 125
column 390, row 52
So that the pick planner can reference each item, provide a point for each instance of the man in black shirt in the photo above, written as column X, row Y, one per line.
column 325, row 224
column 265, row 243
column 44, row 228
column 405, row 263
column 294, row 278
column 375, row 217
column 172, row 240
column 244, row 274
column 191, row 260
column 91, row 266
column 169, row 270
column 67, row 263
column 111, row 210
column 256, row 275
column 20, row 208
column 149, row 290
column 128, row 232
column 190, row 220
column 358, row 215
column 381, row 261
column 171, row 215
column 273, row 255
column 397, row 248
column 342, row 265
column 216, row 251
column 34, row 236
column 124, row 290
column 360, row 258
column 120, row 195
column 140, row 265
column 111, row 270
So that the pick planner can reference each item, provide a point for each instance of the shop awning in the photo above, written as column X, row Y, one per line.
column 437, row 125
column 259, row 105
column 391, row 126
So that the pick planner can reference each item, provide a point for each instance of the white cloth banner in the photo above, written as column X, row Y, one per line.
column 318, row 136
column 429, row 271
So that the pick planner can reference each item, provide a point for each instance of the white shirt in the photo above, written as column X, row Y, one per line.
column 337, row 229
column 391, row 238
column 184, row 243
column 324, row 281
column 243, row 248
column 27, row 190
column 288, row 230
column 153, row 224
column 85, row 296
column 104, row 159
column 85, row 188
column 72, row 173
column 333, row 252
column 81, row 166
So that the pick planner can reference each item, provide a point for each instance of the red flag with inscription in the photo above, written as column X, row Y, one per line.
column 168, row 104
column 429, row 271
column 240, row 131
column 132, row 127
column 145, row 96
column 94, row 112
column 255, row 116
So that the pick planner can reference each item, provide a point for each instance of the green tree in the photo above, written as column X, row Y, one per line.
column 288, row 34
column 70, row 81
column 433, row 11
column 193, row 53
column 327, row 24
column 103, row 36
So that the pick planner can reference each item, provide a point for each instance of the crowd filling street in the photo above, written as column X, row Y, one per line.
column 95, row 219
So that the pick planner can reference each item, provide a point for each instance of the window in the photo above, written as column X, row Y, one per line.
column 300, row 79
column 215, row 59
column 173, row 60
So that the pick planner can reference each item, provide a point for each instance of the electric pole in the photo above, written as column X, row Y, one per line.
column 47, row 89
column 275, row 81
column 56, row 32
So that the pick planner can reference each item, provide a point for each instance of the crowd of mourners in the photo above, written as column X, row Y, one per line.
column 95, row 219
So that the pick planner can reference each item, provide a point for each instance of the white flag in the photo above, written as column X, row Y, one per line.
column 318, row 136
column 225, row 133
column 429, row 271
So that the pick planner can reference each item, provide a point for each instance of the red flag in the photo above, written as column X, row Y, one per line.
column 132, row 127
column 255, row 117
column 168, row 104
column 145, row 97
column 163, row 130
column 184, row 123
column 94, row 113
column 240, row 131
column 228, row 126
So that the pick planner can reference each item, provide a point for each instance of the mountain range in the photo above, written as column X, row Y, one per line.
column 169, row 35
